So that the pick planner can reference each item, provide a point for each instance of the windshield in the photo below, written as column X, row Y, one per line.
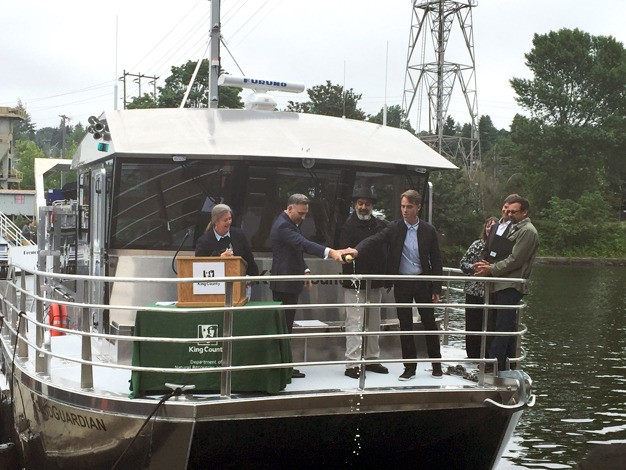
column 160, row 204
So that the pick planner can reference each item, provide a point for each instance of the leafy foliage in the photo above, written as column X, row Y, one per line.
column 579, row 79
column 583, row 226
column 27, row 150
column 457, row 214
column 172, row 92
column 23, row 129
column 330, row 100
column 573, row 142
column 396, row 117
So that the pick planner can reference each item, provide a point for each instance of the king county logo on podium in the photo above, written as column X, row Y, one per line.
column 206, row 332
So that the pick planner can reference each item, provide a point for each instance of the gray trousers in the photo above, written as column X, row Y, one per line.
column 354, row 322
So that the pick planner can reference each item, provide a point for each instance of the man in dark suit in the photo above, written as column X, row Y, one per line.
column 413, row 250
column 288, row 248
column 221, row 239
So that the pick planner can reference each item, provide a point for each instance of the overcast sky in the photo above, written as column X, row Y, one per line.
column 59, row 58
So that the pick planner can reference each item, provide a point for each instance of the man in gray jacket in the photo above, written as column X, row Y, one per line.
column 525, row 240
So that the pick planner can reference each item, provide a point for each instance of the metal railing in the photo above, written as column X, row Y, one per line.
column 11, row 232
column 17, row 322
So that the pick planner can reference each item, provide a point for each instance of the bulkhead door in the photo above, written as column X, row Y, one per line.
column 97, row 232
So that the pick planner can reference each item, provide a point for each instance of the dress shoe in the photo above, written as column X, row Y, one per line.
column 296, row 374
column 408, row 374
column 437, row 372
column 377, row 368
column 353, row 372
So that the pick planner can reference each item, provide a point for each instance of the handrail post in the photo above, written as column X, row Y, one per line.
column 86, row 370
column 11, row 317
column 22, row 345
column 364, row 327
column 12, row 296
column 3, row 305
column 518, row 337
column 41, row 364
column 227, row 353
column 446, row 319
column 483, row 338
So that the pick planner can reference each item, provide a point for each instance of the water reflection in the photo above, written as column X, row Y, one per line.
column 577, row 358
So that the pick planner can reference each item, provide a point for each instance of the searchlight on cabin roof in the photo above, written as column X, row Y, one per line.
column 260, row 100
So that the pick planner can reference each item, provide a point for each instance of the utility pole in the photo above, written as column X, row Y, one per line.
column 64, row 119
column 427, row 69
column 137, row 79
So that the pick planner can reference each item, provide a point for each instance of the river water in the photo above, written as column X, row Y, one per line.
column 576, row 356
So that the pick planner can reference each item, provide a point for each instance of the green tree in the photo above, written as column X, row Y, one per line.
column 171, row 93
column 450, row 127
column 146, row 101
column 27, row 151
column 487, row 133
column 48, row 140
column 330, row 100
column 23, row 129
column 457, row 213
column 582, row 226
column 579, row 79
column 573, row 140
column 396, row 117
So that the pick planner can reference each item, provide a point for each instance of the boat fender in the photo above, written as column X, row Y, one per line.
column 57, row 317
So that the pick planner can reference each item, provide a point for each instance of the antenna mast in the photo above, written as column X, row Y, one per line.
column 428, row 69
column 215, row 65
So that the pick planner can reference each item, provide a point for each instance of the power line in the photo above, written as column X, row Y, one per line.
column 81, row 90
column 166, row 35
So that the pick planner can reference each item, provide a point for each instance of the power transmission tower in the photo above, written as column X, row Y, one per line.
column 137, row 79
column 428, row 70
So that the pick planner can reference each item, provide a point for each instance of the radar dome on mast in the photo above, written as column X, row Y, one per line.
column 260, row 100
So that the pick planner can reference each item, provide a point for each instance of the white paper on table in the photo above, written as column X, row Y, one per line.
column 310, row 323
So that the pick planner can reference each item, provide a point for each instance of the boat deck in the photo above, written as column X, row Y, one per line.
column 114, row 382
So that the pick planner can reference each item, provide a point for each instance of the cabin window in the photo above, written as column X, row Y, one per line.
column 162, row 204
column 329, row 187
column 269, row 187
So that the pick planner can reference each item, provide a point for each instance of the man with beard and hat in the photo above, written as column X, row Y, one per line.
column 360, row 225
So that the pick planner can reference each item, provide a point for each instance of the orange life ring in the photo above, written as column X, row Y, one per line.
column 57, row 317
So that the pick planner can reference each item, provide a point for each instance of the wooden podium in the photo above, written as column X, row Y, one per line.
column 210, row 294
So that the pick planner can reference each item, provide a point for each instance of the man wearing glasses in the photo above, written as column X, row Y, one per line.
column 525, row 241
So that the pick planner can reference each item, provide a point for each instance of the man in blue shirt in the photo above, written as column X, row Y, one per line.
column 413, row 250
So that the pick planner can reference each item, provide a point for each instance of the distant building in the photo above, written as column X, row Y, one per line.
column 8, row 174
column 14, row 202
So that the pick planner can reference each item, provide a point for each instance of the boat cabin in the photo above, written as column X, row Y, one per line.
column 147, row 180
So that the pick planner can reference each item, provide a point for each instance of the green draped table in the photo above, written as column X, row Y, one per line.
column 208, row 353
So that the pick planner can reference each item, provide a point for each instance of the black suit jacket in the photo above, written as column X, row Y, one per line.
column 288, row 248
column 354, row 231
column 207, row 245
column 394, row 235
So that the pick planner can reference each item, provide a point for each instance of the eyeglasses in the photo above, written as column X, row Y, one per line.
column 513, row 212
